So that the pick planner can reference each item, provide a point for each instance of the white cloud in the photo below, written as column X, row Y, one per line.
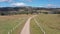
column 30, row 0
column 5, row 0
column 18, row 4
column 49, row 5
column 0, row 6
column 13, row 0
column 40, row 6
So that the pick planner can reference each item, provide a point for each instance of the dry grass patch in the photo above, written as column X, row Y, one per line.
column 8, row 22
column 50, row 23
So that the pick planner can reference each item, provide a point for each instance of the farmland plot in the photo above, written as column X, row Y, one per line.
column 12, row 24
column 50, row 23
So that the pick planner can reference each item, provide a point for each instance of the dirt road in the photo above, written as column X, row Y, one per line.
column 26, row 28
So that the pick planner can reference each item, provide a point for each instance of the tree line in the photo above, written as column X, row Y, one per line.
column 25, row 10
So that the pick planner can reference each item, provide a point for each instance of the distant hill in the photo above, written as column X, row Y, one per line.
column 24, row 10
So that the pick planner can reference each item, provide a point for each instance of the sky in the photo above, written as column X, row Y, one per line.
column 33, row 3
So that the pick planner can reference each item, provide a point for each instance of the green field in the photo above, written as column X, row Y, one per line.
column 50, row 23
column 34, row 29
column 7, row 23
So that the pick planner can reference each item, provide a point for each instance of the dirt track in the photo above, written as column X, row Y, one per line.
column 26, row 28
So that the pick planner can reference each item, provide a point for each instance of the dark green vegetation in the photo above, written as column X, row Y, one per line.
column 27, row 10
column 7, row 23
column 49, row 22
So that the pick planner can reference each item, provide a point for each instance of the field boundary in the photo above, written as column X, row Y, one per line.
column 39, row 26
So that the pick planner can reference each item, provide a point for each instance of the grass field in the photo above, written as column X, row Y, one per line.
column 7, row 23
column 49, row 22
column 34, row 28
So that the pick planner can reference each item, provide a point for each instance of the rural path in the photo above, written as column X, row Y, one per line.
column 26, row 28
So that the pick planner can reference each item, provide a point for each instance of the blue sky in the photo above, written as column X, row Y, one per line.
column 34, row 3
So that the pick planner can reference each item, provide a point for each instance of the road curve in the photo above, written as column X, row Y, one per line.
column 26, row 28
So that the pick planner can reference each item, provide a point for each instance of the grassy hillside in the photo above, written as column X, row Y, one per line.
column 49, row 22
